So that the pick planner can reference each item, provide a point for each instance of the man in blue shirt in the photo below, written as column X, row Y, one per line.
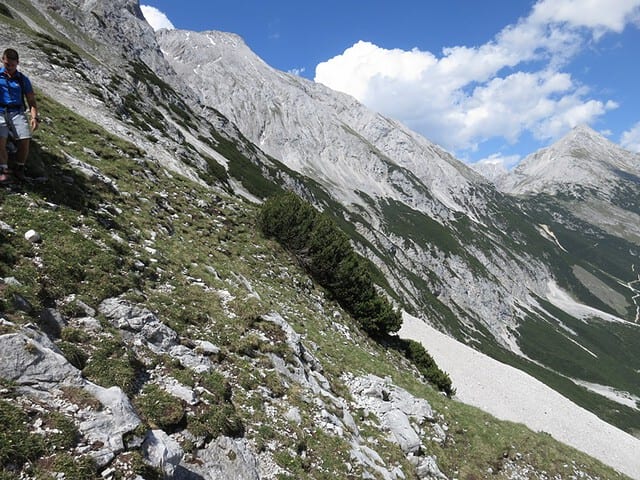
column 14, row 87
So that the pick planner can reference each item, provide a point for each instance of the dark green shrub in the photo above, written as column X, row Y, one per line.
column 289, row 219
column 427, row 366
column 326, row 253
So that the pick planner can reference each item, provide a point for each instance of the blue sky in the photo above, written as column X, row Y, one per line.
column 489, row 81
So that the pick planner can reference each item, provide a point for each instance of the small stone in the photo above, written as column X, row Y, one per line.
column 32, row 236
column 6, row 227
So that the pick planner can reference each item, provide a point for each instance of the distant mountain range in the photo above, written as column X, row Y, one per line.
column 531, row 270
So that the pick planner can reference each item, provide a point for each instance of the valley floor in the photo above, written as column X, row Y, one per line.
column 511, row 394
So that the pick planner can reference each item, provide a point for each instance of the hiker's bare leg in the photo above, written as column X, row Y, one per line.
column 4, row 158
column 23, row 151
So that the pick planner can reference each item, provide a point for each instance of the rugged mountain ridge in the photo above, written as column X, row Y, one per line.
column 479, row 264
column 596, row 179
column 582, row 158
column 131, row 202
column 366, row 162
column 350, row 147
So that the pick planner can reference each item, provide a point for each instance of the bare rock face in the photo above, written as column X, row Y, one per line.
column 108, row 426
column 408, row 419
column 31, row 360
column 228, row 458
column 38, row 368
column 582, row 158
column 162, row 451
column 117, row 23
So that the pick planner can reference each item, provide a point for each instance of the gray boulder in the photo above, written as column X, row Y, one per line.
column 35, row 364
column 122, row 314
column 401, row 414
column 107, row 427
column 225, row 458
column 403, row 433
column 30, row 359
column 162, row 451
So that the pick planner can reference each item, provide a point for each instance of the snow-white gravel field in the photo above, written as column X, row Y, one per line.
column 510, row 394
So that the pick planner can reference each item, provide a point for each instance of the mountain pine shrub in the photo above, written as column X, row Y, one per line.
column 427, row 366
column 326, row 253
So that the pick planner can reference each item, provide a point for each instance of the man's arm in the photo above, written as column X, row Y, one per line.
column 33, row 109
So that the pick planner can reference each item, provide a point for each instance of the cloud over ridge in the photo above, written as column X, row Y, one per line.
column 515, row 84
column 157, row 19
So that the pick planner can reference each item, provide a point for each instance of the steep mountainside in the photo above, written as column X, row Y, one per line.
column 149, row 330
column 413, row 202
column 319, row 132
column 501, row 273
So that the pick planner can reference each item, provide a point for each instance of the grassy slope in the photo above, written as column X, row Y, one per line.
column 93, row 235
column 59, row 52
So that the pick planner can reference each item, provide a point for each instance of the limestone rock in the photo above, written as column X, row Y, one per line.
column 32, row 236
column 124, row 315
column 224, row 458
column 30, row 359
column 107, row 427
column 162, row 451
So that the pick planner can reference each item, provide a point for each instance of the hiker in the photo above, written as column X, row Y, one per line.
column 14, row 88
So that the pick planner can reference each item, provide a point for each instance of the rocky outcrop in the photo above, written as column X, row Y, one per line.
column 118, row 24
column 30, row 360
column 407, row 419
column 225, row 457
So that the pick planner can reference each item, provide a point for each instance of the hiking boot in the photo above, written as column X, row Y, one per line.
column 19, row 174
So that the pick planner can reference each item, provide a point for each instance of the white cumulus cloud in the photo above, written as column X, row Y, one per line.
column 631, row 139
column 600, row 16
column 157, row 19
column 467, row 95
column 495, row 166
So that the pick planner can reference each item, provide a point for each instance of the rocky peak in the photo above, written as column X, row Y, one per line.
column 118, row 25
column 582, row 159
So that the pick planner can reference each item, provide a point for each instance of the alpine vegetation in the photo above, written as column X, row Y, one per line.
column 203, row 271
column 325, row 251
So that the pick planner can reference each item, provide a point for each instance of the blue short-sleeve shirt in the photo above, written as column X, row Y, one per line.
column 10, row 89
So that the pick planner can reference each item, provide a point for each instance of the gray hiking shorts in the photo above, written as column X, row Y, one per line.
column 19, row 121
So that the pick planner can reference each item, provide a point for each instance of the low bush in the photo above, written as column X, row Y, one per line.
column 159, row 408
column 326, row 253
column 114, row 365
column 426, row 365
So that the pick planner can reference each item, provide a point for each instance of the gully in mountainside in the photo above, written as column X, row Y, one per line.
column 636, row 297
